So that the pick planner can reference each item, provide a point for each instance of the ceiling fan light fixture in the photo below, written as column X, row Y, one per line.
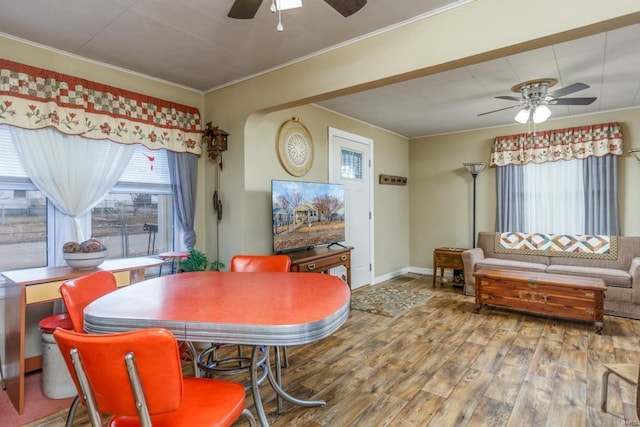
column 541, row 113
column 288, row 4
column 523, row 115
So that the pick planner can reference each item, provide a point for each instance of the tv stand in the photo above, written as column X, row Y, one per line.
column 321, row 260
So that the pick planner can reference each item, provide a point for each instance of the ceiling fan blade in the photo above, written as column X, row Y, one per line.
column 346, row 7
column 572, row 101
column 501, row 109
column 567, row 90
column 510, row 98
column 244, row 9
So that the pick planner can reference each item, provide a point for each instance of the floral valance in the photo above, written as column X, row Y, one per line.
column 558, row 144
column 34, row 98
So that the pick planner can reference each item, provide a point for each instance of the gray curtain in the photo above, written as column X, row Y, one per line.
column 183, row 170
column 601, row 195
column 510, row 196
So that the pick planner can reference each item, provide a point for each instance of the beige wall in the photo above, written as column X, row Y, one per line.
column 441, row 193
column 389, row 156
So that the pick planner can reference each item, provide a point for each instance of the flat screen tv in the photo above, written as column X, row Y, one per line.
column 306, row 214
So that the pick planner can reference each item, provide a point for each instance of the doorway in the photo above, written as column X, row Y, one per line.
column 350, row 164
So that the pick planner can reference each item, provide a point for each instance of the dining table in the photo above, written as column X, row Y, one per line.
column 261, row 310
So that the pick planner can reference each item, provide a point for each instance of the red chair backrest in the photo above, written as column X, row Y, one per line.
column 103, row 359
column 80, row 292
column 260, row 263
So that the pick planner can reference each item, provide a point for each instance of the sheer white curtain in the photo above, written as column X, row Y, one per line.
column 554, row 197
column 74, row 173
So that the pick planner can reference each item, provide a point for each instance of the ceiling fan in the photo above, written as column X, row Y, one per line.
column 246, row 9
column 534, row 98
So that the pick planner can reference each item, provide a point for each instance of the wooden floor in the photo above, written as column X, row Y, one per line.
column 441, row 365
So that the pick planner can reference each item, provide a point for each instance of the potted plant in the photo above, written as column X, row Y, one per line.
column 198, row 261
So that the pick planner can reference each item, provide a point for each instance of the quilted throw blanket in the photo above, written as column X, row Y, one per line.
column 566, row 245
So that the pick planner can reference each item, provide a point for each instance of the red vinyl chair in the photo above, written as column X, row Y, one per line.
column 260, row 263
column 208, row 359
column 264, row 264
column 77, row 294
column 80, row 292
column 136, row 378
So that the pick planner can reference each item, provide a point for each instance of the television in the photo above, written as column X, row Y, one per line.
column 306, row 214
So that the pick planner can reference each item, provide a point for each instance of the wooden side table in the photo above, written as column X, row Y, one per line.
column 446, row 258
column 321, row 260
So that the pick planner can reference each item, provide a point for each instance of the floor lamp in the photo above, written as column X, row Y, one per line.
column 474, row 168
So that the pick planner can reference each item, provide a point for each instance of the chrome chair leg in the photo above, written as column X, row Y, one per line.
column 72, row 411
column 249, row 416
column 193, row 354
column 4, row 386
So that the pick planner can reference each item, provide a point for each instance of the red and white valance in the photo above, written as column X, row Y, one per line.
column 558, row 144
column 35, row 98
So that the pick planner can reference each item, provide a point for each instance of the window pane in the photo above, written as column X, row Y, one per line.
column 351, row 166
column 136, row 218
column 23, row 229
column 134, row 224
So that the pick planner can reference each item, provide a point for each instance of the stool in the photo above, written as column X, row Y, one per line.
column 56, row 380
column 173, row 256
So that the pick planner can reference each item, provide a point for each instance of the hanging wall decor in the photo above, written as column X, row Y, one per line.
column 215, row 140
column 295, row 147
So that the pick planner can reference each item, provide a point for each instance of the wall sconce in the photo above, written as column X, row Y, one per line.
column 216, row 140
column 636, row 153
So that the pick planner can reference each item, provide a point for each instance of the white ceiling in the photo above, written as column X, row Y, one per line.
column 194, row 44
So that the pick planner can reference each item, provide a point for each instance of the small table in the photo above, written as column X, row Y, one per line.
column 446, row 258
column 174, row 257
column 559, row 295
column 257, row 309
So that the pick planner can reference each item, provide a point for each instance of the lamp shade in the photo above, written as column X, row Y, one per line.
column 523, row 115
column 475, row 167
column 541, row 113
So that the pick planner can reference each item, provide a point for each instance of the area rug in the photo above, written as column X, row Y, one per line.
column 388, row 300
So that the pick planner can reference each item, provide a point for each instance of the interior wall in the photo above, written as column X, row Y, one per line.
column 390, row 156
column 441, row 196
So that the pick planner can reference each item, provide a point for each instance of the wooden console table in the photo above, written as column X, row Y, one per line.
column 559, row 295
column 38, row 285
column 321, row 260
column 446, row 258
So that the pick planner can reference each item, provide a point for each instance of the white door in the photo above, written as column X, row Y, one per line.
column 350, row 163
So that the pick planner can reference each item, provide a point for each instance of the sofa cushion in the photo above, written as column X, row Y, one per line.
column 611, row 276
column 510, row 265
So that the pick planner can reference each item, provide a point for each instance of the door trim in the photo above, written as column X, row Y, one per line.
column 333, row 132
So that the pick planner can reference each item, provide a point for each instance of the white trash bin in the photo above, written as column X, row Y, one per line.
column 56, row 381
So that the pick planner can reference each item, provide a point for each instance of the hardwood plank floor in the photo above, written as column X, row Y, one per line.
column 439, row 364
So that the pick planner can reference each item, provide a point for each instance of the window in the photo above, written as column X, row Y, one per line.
column 135, row 219
column 23, row 213
column 351, row 167
column 554, row 197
